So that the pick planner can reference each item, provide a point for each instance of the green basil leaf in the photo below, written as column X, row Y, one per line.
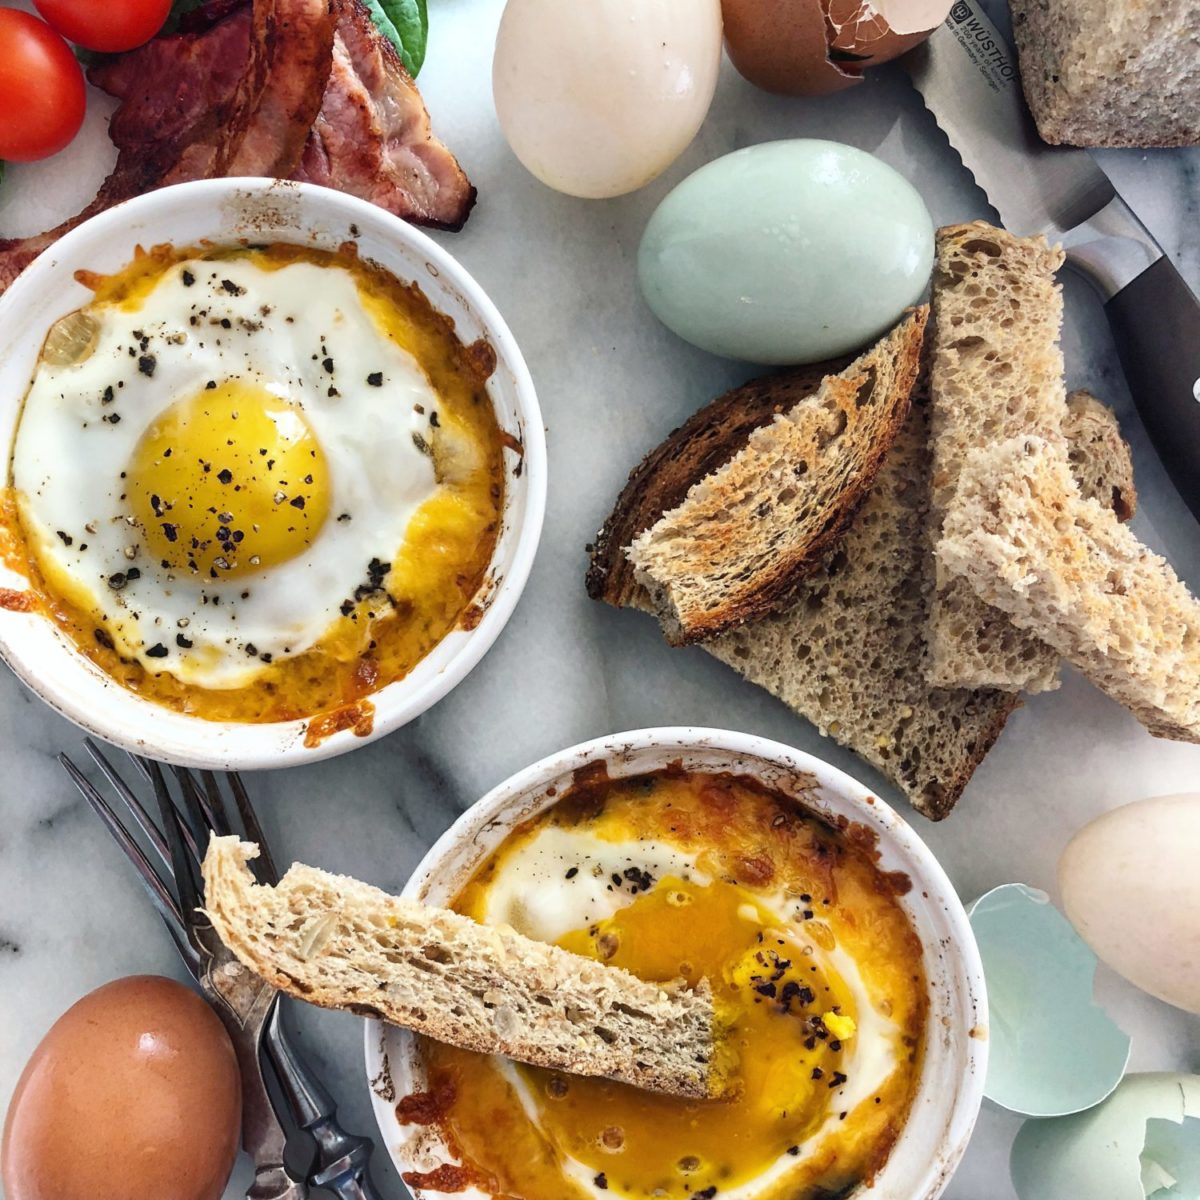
column 411, row 19
column 405, row 23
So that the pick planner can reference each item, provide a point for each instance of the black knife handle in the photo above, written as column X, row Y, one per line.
column 1156, row 323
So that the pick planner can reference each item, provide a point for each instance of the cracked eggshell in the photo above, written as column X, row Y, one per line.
column 598, row 98
column 1054, row 1050
column 1142, row 1142
column 817, row 47
column 1131, row 888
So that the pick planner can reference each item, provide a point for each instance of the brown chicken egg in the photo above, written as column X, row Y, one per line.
column 815, row 47
column 133, row 1092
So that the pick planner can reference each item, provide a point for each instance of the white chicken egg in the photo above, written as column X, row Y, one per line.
column 597, row 99
column 1130, row 887
column 234, row 462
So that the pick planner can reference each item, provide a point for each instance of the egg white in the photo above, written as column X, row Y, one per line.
column 284, row 324
column 531, row 892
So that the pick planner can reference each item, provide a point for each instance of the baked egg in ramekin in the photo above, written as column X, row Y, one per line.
column 275, row 473
column 841, row 961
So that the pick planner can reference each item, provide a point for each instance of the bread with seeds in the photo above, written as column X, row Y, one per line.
column 339, row 943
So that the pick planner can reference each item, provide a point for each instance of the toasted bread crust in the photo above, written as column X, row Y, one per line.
column 1063, row 566
column 704, row 442
column 1100, row 457
column 848, row 655
column 739, row 545
column 996, row 371
column 708, row 442
column 1110, row 72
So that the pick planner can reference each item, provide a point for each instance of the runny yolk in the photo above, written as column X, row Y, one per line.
column 772, row 992
column 229, row 481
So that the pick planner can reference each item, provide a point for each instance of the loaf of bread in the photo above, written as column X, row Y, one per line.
column 1111, row 72
column 1067, row 571
column 996, row 371
column 746, row 533
column 1100, row 458
column 339, row 943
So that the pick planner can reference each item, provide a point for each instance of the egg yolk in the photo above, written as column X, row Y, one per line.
column 778, row 1000
column 228, row 482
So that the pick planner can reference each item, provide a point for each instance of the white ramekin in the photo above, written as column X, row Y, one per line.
column 229, row 211
column 952, row 1075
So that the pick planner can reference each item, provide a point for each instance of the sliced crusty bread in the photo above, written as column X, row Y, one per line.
column 1111, row 72
column 746, row 533
column 339, row 943
column 1065, row 569
column 848, row 655
column 996, row 371
column 701, row 445
column 1100, row 458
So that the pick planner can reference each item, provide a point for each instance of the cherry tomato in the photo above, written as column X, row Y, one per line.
column 42, row 97
column 105, row 25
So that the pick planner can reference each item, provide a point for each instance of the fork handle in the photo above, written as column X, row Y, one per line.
column 346, row 1177
column 343, row 1158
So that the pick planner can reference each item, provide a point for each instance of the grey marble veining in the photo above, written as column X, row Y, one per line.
column 612, row 382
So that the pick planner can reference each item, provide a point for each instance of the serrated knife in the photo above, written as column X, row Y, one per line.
column 967, row 74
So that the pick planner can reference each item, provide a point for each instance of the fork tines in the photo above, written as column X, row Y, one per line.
column 167, row 851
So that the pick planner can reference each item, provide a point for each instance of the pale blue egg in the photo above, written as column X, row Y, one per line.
column 787, row 252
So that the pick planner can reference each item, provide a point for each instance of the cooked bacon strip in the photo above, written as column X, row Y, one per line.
column 234, row 87
column 238, row 98
column 372, row 137
column 176, row 90
column 178, row 94
column 280, row 93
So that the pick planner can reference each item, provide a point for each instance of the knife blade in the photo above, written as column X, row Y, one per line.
column 968, row 75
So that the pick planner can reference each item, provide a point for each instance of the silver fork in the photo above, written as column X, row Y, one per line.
column 247, row 1005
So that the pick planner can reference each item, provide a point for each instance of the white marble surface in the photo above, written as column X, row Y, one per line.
column 612, row 382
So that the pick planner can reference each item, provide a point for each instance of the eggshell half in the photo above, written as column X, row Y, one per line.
column 912, row 16
column 1053, row 1050
column 817, row 47
column 1130, row 884
column 876, row 33
column 1143, row 1141
column 598, row 98
column 134, row 1091
column 782, row 46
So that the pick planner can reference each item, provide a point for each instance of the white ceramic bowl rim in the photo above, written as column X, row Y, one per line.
column 951, row 1087
column 225, row 211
